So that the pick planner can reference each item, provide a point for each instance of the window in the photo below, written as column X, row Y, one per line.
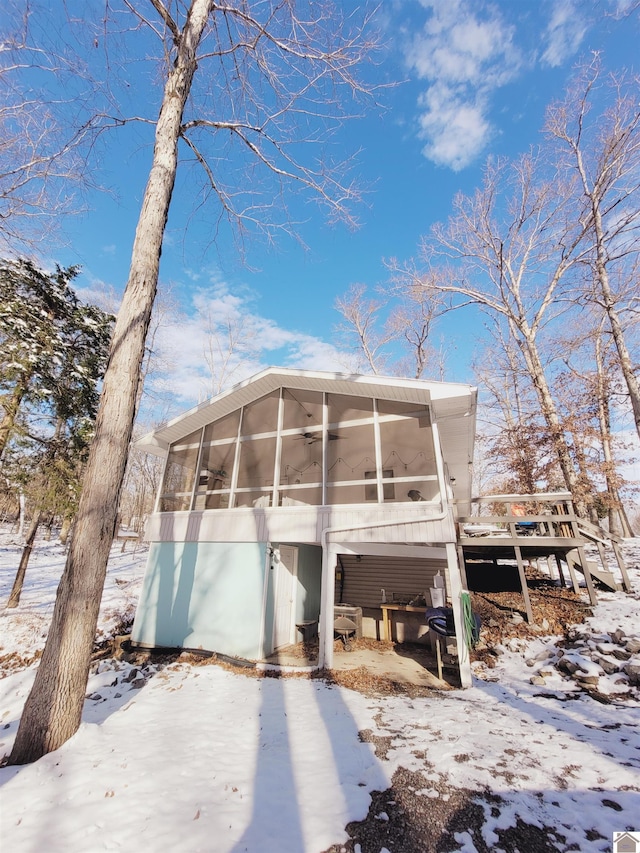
column 255, row 471
column 180, row 473
column 214, row 475
column 301, row 468
column 388, row 490
column 407, row 451
column 302, row 409
column 367, row 445
column 261, row 415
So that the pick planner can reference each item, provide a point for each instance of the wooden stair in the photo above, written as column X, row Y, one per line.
column 556, row 532
column 600, row 538
column 602, row 576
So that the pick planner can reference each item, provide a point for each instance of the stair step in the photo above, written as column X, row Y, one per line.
column 603, row 576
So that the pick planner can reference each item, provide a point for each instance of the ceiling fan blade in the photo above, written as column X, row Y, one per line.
column 312, row 437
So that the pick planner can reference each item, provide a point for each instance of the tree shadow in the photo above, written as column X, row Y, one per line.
column 302, row 720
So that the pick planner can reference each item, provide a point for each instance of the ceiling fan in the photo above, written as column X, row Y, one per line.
column 312, row 437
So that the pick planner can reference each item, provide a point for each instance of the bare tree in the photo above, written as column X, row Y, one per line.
column 509, row 250
column 229, row 346
column 269, row 70
column 618, row 520
column 588, row 390
column 361, row 330
column 516, row 441
column 412, row 322
column 401, row 344
column 140, row 487
column 604, row 152
column 45, row 136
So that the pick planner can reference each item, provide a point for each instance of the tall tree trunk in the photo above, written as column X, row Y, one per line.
column 64, row 530
column 618, row 522
column 624, row 357
column 529, row 349
column 22, row 502
column 53, row 709
column 16, row 591
column 583, row 473
column 595, row 201
column 627, row 530
column 11, row 408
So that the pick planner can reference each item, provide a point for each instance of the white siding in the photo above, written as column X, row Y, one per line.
column 406, row 523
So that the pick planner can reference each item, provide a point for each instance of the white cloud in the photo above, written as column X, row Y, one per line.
column 457, row 129
column 183, row 346
column 565, row 32
column 95, row 291
column 464, row 52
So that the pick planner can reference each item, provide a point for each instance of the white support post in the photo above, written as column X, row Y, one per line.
column 464, row 662
column 327, row 598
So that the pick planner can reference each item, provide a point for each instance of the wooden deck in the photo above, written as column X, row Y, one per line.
column 534, row 526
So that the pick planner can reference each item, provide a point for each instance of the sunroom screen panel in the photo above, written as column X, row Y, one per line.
column 256, row 464
column 181, row 465
column 261, row 416
column 302, row 409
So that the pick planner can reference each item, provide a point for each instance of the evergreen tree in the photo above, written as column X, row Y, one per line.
column 53, row 348
column 54, row 353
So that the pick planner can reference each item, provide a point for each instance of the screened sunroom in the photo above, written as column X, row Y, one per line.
column 295, row 447
column 275, row 488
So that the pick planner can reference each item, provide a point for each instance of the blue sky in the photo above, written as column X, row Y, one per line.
column 476, row 78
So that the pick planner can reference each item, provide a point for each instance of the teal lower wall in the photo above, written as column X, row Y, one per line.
column 214, row 596
column 204, row 595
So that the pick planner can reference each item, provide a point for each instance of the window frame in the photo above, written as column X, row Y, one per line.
column 278, row 491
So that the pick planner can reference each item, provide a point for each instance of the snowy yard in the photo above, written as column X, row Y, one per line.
column 199, row 758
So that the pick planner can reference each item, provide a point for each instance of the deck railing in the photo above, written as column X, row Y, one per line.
column 541, row 520
column 542, row 514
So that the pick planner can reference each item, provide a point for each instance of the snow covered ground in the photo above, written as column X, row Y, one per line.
column 197, row 758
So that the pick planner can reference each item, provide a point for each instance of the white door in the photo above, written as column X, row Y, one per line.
column 285, row 589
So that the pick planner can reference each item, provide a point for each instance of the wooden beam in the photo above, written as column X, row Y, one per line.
column 463, row 567
column 587, row 575
column 561, row 577
column 455, row 590
column 572, row 573
column 626, row 583
column 523, row 583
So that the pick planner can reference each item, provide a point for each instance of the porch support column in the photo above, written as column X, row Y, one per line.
column 523, row 583
column 582, row 557
column 327, row 598
column 626, row 583
column 464, row 662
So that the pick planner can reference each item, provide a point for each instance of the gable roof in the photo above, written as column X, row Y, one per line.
column 453, row 407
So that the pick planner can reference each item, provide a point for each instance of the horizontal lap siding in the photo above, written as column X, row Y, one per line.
column 365, row 578
column 296, row 524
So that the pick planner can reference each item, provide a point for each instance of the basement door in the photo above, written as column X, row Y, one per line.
column 285, row 593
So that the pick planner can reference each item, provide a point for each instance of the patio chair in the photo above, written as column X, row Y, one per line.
column 440, row 621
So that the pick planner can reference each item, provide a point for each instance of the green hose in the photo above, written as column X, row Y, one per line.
column 468, row 621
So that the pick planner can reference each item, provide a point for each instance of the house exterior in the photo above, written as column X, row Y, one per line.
column 296, row 491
